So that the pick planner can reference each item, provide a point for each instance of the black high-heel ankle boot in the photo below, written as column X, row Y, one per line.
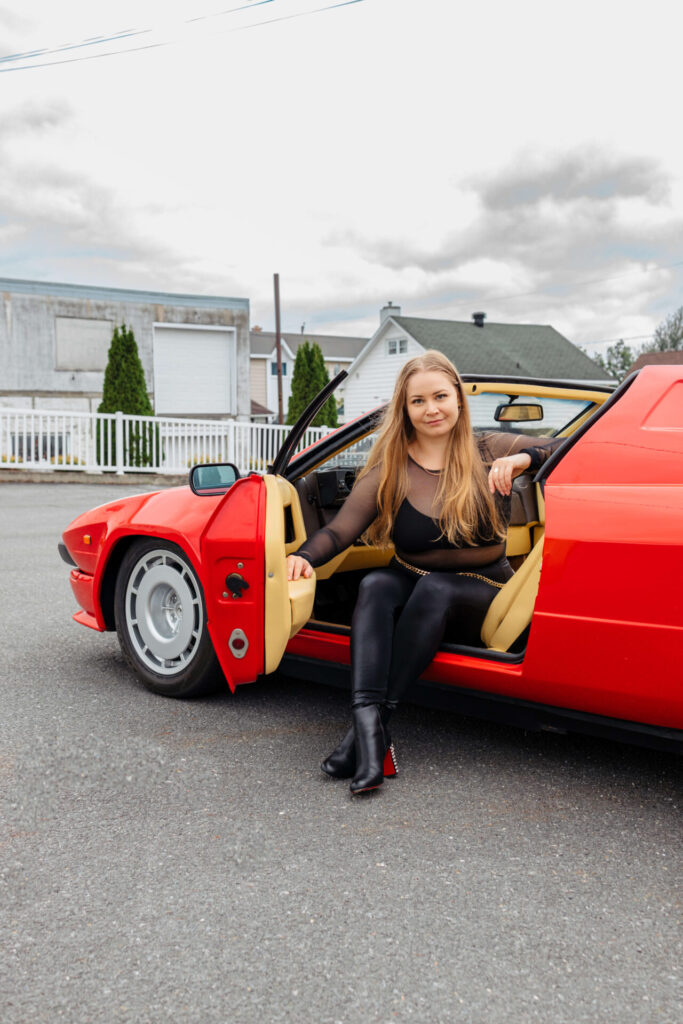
column 341, row 764
column 371, row 748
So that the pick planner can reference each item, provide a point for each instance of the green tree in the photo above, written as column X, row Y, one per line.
column 668, row 335
column 617, row 361
column 125, row 391
column 619, row 358
column 309, row 378
column 327, row 417
column 300, row 395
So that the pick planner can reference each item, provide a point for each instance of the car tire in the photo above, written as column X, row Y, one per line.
column 160, row 617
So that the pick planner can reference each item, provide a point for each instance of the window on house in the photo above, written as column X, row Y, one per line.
column 397, row 345
column 273, row 369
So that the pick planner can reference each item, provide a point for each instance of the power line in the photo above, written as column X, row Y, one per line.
column 173, row 42
column 126, row 33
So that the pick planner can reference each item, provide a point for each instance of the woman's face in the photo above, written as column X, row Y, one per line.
column 432, row 404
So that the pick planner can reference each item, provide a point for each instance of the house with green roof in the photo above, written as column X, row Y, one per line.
column 518, row 350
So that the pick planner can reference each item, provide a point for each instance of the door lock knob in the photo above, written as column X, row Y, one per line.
column 236, row 584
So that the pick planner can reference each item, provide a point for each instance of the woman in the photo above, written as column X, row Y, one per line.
column 442, row 497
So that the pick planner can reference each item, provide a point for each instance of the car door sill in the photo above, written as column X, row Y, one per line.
column 504, row 657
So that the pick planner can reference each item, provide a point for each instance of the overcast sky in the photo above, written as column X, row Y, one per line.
column 518, row 158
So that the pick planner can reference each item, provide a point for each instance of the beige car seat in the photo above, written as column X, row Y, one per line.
column 511, row 609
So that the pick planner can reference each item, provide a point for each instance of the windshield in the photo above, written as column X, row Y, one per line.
column 558, row 413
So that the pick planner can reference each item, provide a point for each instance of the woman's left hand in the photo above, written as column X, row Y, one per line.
column 503, row 471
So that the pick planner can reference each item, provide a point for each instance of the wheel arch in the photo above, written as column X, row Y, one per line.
column 118, row 552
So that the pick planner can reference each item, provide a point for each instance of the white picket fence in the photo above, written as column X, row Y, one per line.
column 115, row 442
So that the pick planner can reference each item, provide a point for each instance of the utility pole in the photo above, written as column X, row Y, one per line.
column 278, row 347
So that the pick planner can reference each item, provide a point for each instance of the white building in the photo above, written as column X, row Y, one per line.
column 518, row 350
column 54, row 342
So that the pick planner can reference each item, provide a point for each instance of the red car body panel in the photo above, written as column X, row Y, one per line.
column 610, row 594
column 87, row 620
column 613, row 562
column 176, row 515
column 214, row 532
column 82, row 587
column 233, row 542
column 607, row 631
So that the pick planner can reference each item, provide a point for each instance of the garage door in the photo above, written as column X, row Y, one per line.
column 194, row 371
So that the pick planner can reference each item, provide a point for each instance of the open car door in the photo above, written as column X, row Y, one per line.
column 252, row 608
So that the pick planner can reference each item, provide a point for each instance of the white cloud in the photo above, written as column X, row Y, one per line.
column 447, row 157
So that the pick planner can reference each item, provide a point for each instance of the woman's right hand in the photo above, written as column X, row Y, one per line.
column 298, row 566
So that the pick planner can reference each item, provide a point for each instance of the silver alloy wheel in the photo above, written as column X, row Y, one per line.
column 164, row 612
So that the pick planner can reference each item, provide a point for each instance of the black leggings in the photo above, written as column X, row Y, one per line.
column 400, row 619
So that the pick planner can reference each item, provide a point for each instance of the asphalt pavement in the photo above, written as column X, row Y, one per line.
column 177, row 862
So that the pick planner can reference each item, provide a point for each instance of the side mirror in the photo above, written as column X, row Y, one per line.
column 213, row 479
column 518, row 412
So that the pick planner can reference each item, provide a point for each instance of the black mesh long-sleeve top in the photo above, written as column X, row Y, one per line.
column 417, row 534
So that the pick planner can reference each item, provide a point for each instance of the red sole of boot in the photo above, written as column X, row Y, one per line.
column 390, row 764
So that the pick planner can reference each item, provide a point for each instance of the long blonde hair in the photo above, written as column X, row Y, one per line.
column 467, row 505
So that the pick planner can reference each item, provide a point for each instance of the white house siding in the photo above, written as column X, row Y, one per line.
column 258, row 381
column 373, row 382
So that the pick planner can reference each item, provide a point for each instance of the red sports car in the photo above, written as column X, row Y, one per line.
column 587, row 635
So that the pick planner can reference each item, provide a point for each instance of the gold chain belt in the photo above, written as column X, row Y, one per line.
column 425, row 572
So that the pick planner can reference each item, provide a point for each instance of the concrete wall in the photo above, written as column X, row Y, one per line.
column 29, row 359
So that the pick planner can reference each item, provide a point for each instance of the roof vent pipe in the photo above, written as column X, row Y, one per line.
column 479, row 319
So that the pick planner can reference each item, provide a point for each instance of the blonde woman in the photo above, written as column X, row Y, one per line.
column 442, row 497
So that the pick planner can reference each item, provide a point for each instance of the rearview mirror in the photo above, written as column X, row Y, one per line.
column 214, row 478
column 518, row 412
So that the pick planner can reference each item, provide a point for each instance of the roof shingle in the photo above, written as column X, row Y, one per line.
column 521, row 350
column 332, row 345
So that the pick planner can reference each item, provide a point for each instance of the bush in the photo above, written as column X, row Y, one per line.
column 125, row 390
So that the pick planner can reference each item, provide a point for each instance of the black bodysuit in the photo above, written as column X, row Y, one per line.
column 401, row 614
column 417, row 534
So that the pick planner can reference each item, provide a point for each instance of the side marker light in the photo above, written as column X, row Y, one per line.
column 238, row 643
